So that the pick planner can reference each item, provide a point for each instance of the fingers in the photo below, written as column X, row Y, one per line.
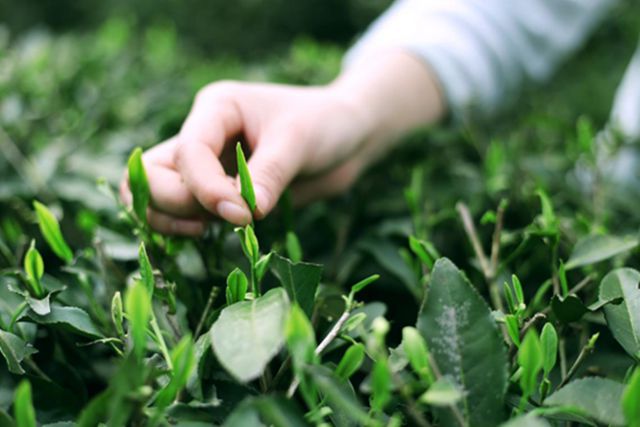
column 213, row 120
column 276, row 160
column 167, row 224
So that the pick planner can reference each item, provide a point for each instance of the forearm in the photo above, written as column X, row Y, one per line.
column 395, row 91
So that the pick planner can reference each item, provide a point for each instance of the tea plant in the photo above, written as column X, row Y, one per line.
column 502, row 290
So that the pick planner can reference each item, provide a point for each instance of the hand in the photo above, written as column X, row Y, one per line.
column 324, row 136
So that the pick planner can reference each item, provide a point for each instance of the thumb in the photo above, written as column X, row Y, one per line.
column 276, row 160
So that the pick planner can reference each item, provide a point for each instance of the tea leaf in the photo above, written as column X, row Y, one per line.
column 34, row 268
column 117, row 314
column 631, row 400
column 146, row 271
column 530, row 359
column 246, row 186
column 14, row 349
column 70, row 318
column 266, row 410
column 138, row 308
column 301, row 339
column 568, row 309
column 380, row 384
column 183, row 360
column 623, row 318
column 350, row 362
column 528, row 420
column 597, row 398
column 248, row 334
column 596, row 248
column 464, row 341
column 364, row 283
column 443, row 392
column 23, row 411
column 139, row 185
column 50, row 229
column 301, row 280
column 237, row 285
column 294, row 250
column 415, row 348
column 549, row 342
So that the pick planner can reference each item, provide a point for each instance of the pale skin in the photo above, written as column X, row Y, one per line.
column 316, row 140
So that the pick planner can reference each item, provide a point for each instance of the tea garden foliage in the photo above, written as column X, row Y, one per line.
column 484, row 275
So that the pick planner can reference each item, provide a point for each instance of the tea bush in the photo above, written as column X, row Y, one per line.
column 483, row 276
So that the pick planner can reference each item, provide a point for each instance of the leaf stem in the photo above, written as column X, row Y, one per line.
column 472, row 234
column 160, row 340
column 213, row 294
column 584, row 353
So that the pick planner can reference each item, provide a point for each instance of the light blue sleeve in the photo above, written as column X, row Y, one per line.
column 482, row 51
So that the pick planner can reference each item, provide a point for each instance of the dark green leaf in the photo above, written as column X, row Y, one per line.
column 526, row 421
column 299, row 279
column 248, row 334
column 596, row 248
column 14, row 349
column 139, row 185
column 23, row 411
column 623, row 318
column 597, row 398
column 72, row 318
column 465, row 343
column 569, row 309
column 50, row 229
column 246, row 186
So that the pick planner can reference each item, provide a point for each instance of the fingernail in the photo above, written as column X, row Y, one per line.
column 233, row 212
column 262, row 198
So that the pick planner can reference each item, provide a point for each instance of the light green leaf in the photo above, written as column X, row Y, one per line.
column 549, row 342
column 443, row 392
column 599, row 247
column 146, row 271
column 246, row 186
column 50, row 229
column 530, row 359
column 138, row 308
column 139, row 185
column 237, row 285
column 415, row 348
column 71, row 318
column 14, row 349
column 380, row 384
column 631, row 400
column 299, row 279
column 117, row 314
column 294, row 250
column 596, row 398
column 183, row 360
column 248, row 334
column 34, row 268
column 623, row 318
column 351, row 361
column 528, row 420
column 23, row 411
column 464, row 341
column 301, row 339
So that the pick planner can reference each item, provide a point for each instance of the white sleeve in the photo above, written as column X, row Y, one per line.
column 482, row 51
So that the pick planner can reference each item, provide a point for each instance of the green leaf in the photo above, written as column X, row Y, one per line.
column 387, row 255
column 50, row 229
column 294, row 250
column 237, row 285
column 23, row 411
column 262, row 265
column 301, row 340
column 246, row 186
column 415, row 348
column 183, row 360
column 596, row 248
column 139, row 185
column 265, row 411
column 138, row 308
column 117, row 314
column 34, row 268
column 423, row 250
column 530, row 359
column 549, row 343
column 596, row 398
column 513, row 329
column 364, row 283
column 71, row 318
column 443, row 392
column 528, row 420
column 548, row 219
column 568, row 309
column 624, row 318
column 339, row 395
column 350, row 362
column 251, row 244
column 146, row 271
column 301, row 280
column 380, row 384
column 14, row 349
column 248, row 334
column 464, row 341
column 631, row 400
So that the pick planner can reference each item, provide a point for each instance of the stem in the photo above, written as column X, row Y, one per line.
column 495, row 243
column 470, row 229
column 331, row 335
column 21, row 308
column 584, row 353
column 160, row 340
column 213, row 294
column 563, row 357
